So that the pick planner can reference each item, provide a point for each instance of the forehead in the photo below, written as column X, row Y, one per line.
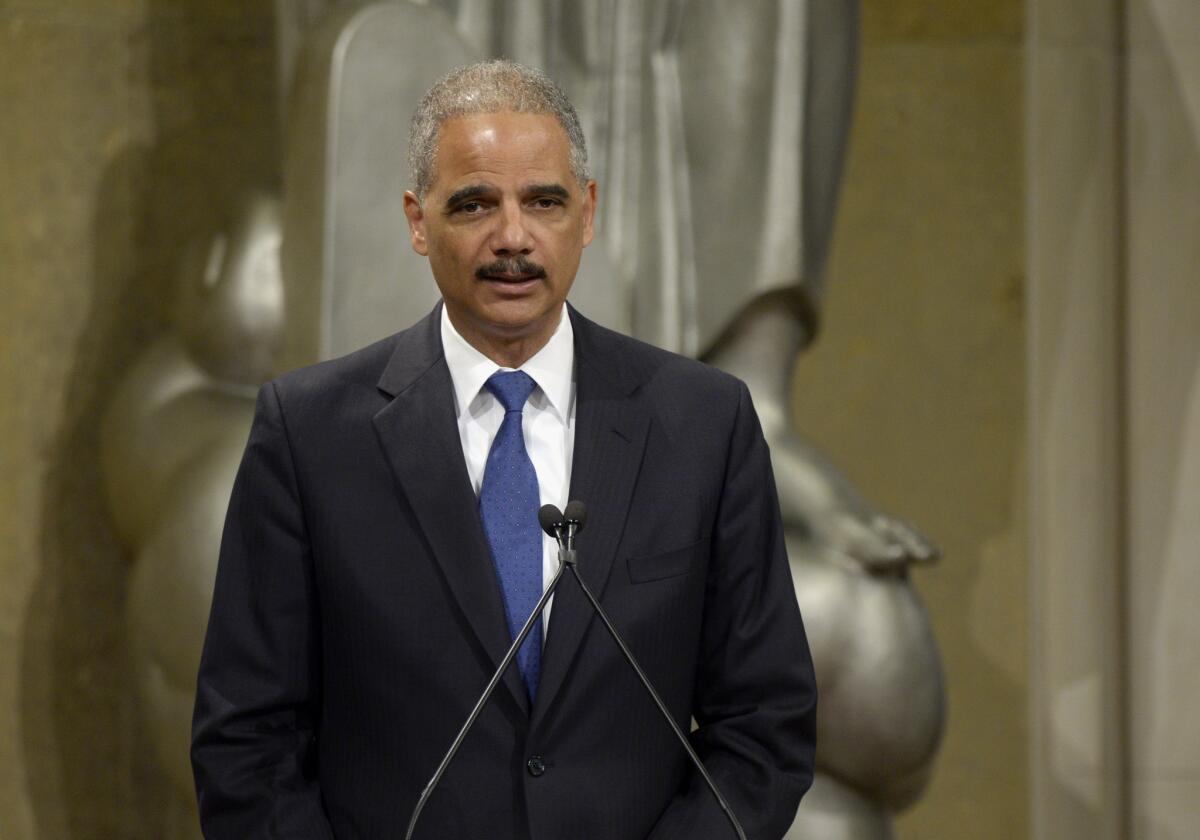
column 502, row 145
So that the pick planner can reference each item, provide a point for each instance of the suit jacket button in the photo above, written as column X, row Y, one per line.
column 536, row 766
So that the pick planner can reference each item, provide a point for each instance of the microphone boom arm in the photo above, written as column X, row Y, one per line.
column 565, row 558
column 662, row 707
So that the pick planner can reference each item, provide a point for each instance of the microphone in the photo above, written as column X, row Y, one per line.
column 551, row 520
column 575, row 516
column 563, row 527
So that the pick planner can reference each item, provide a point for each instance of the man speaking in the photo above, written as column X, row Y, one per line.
column 382, row 547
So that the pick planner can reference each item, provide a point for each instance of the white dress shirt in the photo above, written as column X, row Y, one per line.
column 548, row 421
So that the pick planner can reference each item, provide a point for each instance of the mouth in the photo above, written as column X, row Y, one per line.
column 510, row 278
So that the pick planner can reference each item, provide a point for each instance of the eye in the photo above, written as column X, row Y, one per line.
column 470, row 207
column 546, row 203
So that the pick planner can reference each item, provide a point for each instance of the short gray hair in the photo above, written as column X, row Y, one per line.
column 489, row 87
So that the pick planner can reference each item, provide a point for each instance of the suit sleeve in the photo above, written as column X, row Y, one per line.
column 755, row 701
column 253, row 730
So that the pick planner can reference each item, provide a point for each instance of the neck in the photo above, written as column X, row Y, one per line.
column 508, row 355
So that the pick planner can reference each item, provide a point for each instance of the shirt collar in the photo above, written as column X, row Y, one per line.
column 552, row 367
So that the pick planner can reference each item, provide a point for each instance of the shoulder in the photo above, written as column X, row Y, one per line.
column 355, row 373
column 643, row 365
column 677, row 388
column 371, row 374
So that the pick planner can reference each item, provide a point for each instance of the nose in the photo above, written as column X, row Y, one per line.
column 511, row 235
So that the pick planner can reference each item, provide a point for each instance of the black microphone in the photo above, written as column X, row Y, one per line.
column 574, row 516
column 551, row 520
column 563, row 527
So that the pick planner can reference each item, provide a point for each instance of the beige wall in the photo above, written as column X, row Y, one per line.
column 1114, row 207
column 916, row 385
column 1076, row 527
column 1162, row 171
column 1163, row 345
column 127, row 127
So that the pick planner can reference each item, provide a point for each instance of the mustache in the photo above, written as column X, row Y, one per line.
column 509, row 266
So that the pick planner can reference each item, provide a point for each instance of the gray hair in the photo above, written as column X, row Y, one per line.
column 489, row 87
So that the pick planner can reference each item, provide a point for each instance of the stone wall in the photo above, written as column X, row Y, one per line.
column 128, row 127
column 916, row 386
column 1114, row 203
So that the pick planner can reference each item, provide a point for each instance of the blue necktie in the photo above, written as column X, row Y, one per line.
column 508, row 506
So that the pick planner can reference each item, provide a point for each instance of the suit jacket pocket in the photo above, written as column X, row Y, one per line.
column 667, row 564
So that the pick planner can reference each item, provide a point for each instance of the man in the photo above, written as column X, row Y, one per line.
column 381, row 546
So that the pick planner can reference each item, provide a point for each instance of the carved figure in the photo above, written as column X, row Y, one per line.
column 171, row 442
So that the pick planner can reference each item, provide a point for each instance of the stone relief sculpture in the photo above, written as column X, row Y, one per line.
column 717, row 135
column 170, row 444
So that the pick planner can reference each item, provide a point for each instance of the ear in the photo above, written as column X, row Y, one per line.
column 589, row 212
column 416, row 223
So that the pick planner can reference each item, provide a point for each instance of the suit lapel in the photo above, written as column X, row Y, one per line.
column 419, row 435
column 610, row 435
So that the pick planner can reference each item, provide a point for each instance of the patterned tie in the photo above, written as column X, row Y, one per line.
column 508, row 506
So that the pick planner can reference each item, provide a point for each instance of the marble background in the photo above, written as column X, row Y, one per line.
column 128, row 125
column 1113, row 211
column 916, row 384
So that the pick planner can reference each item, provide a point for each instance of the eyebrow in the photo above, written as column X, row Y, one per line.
column 555, row 190
column 465, row 193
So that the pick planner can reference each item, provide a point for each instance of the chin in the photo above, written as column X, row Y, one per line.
column 515, row 318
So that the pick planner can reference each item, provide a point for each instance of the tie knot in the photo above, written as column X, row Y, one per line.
column 511, row 388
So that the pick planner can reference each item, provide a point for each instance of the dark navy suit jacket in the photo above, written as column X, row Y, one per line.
column 357, row 616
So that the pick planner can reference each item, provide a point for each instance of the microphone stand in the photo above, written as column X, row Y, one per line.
column 662, row 707
column 564, row 558
column 564, row 532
